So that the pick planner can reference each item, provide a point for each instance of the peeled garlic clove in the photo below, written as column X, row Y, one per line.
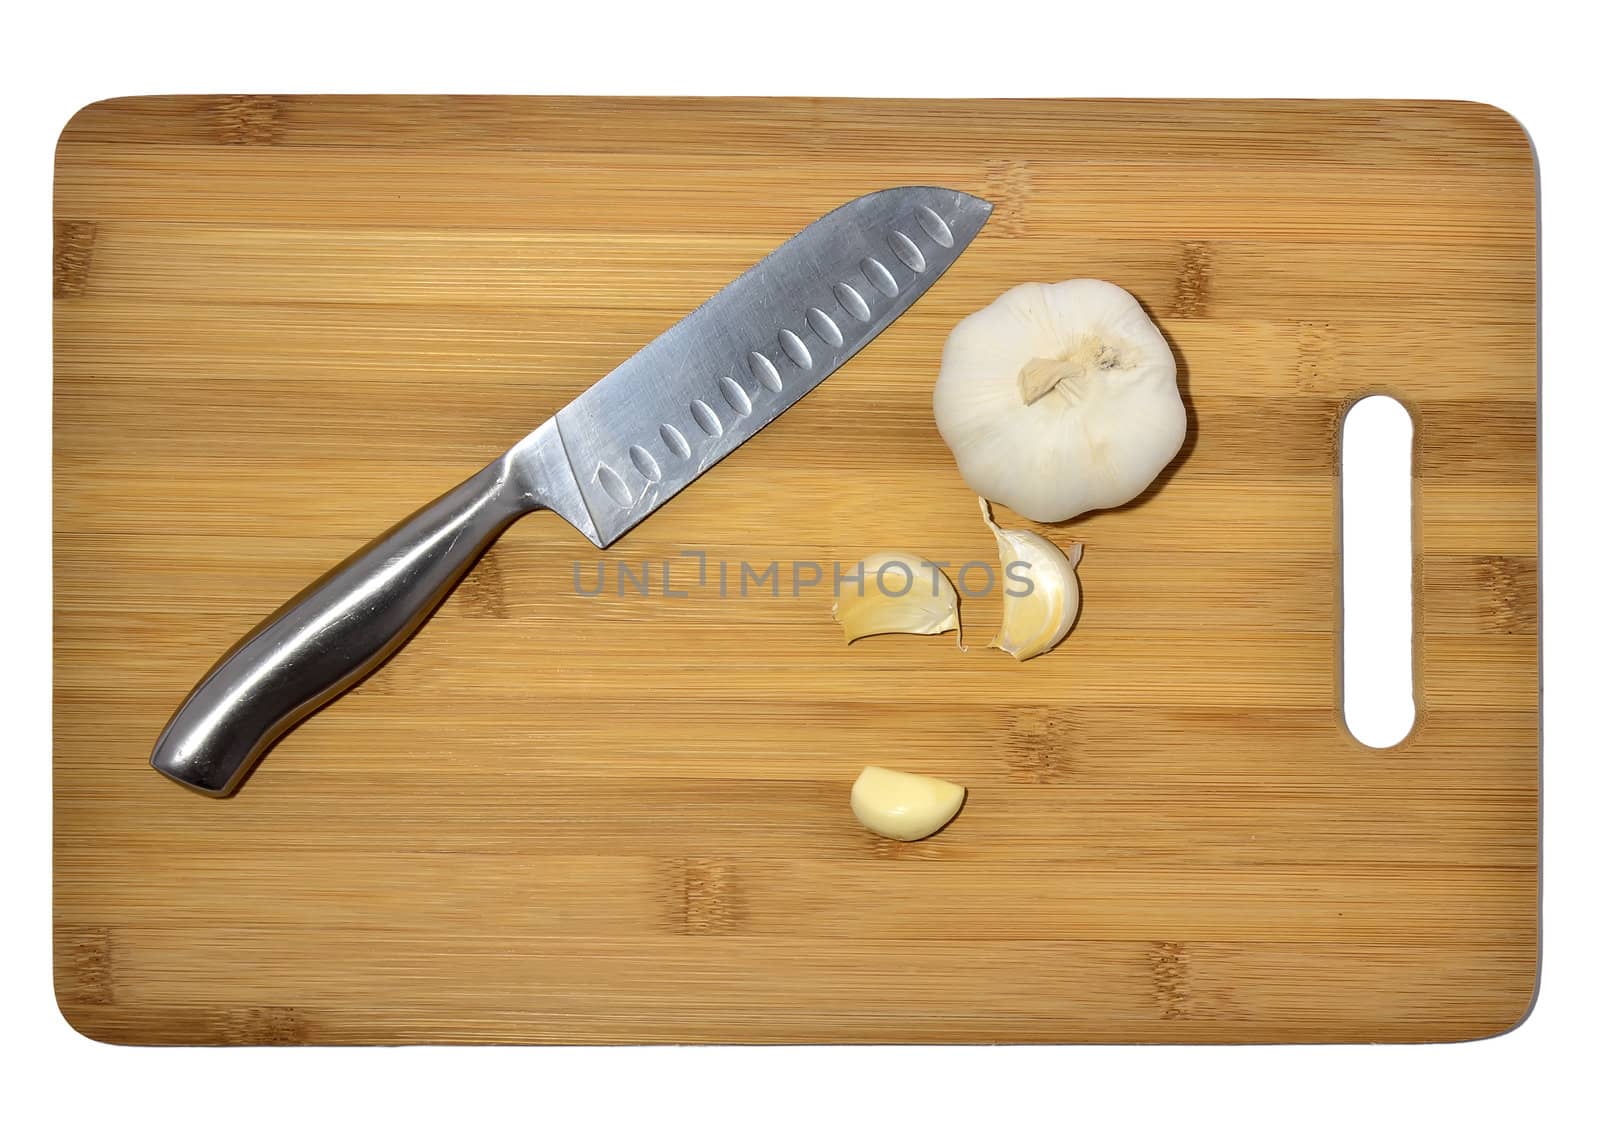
column 904, row 806
column 897, row 594
column 1059, row 398
column 1035, row 621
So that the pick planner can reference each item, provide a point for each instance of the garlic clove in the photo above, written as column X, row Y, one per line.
column 904, row 806
column 1035, row 621
column 1059, row 398
column 898, row 594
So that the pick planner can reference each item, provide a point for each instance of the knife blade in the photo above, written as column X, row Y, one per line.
column 604, row 462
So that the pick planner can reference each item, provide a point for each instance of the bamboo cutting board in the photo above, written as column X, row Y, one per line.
column 284, row 323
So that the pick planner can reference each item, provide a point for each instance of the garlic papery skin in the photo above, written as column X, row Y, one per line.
column 897, row 593
column 1059, row 398
column 1034, row 622
column 904, row 806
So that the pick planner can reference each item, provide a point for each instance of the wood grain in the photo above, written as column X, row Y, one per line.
column 284, row 322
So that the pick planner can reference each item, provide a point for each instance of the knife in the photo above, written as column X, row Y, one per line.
column 606, row 460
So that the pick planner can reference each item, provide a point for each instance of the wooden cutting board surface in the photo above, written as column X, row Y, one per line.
column 283, row 323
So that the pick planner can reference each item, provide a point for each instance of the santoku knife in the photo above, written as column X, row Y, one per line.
column 606, row 460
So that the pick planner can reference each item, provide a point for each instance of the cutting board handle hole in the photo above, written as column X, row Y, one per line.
column 1377, row 565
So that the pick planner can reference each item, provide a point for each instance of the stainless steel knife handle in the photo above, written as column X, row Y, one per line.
column 335, row 632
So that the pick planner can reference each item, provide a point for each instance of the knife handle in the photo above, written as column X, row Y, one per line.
column 333, row 633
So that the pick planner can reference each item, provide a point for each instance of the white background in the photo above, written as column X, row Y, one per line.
column 1376, row 564
column 1528, row 58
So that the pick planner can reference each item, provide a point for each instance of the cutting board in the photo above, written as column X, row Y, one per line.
column 282, row 323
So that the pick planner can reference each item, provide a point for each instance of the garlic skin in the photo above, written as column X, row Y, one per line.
column 899, row 594
column 1059, row 398
column 1035, row 623
column 904, row 806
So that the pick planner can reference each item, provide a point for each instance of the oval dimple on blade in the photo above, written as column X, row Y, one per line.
column 827, row 330
column 933, row 227
column 794, row 349
column 907, row 251
column 850, row 299
column 645, row 463
column 735, row 395
column 614, row 485
column 766, row 374
column 675, row 441
column 706, row 417
column 880, row 277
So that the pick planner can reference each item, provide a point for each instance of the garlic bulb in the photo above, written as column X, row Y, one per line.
column 904, row 806
column 1036, row 621
column 897, row 594
column 1059, row 398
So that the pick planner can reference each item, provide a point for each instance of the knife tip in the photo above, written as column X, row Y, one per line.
column 976, row 201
